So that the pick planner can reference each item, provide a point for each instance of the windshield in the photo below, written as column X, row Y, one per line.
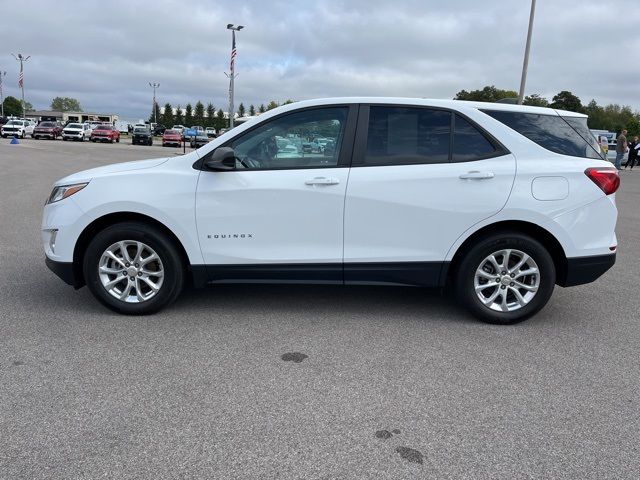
column 104, row 127
column 15, row 122
column 74, row 125
column 47, row 124
column 140, row 130
column 171, row 132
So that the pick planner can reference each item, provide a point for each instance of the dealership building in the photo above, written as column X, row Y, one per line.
column 65, row 117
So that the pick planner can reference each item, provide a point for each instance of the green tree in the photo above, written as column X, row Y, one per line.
column 252, row 110
column 167, row 116
column 288, row 101
column 535, row 100
column 272, row 104
column 566, row 100
column 262, row 108
column 198, row 114
column 211, row 112
column 65, row 104
column 221, row 122
column 12, row 107
column 177, row 118
column 188, row 115
column 488, row 94
column 241, row 110
column 155, row 115
column 27, row 106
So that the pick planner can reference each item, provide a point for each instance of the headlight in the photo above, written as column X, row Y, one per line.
column 64, row 191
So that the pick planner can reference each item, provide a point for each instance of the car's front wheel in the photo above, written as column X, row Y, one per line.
column 506, row 278
column 133, row 268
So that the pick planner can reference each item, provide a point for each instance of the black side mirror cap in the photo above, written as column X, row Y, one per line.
column 221, row 159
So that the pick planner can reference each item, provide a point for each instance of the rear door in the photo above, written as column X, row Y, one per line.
column 420, row 177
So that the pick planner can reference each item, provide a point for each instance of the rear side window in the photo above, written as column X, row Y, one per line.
column 469, row 143
column 553, row 132
column 406, row 136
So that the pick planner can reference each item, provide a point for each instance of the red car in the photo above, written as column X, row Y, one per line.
column 105, row 133
column 51, row 130
column 171, row 137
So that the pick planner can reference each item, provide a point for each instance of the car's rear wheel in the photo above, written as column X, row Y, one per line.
column 133, row 268
column 505, row 278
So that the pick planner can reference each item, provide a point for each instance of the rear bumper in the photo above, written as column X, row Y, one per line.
column 581, row 270
column 64, row 270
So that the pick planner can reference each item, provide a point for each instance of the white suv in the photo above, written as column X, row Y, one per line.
column 498, row 202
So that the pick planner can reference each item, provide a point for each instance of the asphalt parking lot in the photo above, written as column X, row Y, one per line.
column 396, row 383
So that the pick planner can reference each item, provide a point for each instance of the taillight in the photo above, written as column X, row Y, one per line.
column 606, row 178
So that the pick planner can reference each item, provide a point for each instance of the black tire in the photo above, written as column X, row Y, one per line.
column 174, row 268
column 117, row 140
column 22, row 135
column 466, row 271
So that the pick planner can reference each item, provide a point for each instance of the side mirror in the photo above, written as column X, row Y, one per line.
column 221, row 159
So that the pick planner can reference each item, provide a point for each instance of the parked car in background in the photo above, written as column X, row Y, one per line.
column 3, row 120
column 19, row 128
column 141, row 136
column 190, row 132
column 122, row 126
column 211, row 132
column 171, row 137
column 105, row 133
column 76, row 131
column 199, row 139
column 179, row 128
column 158, row 130
column 51, row 130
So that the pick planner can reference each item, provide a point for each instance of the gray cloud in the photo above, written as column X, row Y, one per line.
column 105, row 53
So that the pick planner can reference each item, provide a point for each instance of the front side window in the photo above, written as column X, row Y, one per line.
column 559, row 134
column 469, row 143
column 306, row 139
column 407, row 135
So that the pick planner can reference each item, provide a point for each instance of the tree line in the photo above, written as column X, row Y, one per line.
column 204, row 116
column 612, row 117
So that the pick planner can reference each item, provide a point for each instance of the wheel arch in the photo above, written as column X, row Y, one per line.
column 542, row 235
column 109, row 219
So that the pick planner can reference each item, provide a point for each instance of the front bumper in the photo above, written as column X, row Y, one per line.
column 581, row 270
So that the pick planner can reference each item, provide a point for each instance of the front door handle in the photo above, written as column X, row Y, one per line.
column 476, row 175
column 322, row 181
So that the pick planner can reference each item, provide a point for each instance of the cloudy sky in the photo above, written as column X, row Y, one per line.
column 104, row 53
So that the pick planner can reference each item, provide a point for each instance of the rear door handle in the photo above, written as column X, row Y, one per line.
column 476, row 175
column 322, row 181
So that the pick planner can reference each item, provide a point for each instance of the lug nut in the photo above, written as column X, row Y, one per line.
column 512, row 284
column 131, row 279
column 504, row 272
column 513, row 275
column 502, row 287
column 126, row 265
column 497, row 280
column 137, row 265
column 139, row 274
column 124, row 273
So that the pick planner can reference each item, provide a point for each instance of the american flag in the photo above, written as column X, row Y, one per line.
column 21, row 77
column 233, row 51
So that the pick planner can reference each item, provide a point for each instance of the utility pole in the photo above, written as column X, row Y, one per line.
column 525, row 64
column 154, row 85
column 232, row 66
column 22, row 60
column 2, row 74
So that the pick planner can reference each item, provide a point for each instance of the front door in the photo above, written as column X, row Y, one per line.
column 279, row 214
column 420, row 178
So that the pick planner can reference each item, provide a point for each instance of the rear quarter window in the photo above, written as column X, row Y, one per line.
column 566, row 136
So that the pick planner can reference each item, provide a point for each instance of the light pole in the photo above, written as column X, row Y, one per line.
column 525, row 63
column 21, row 59
column 154, row 85
column 232, row 66
column 2, row 74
